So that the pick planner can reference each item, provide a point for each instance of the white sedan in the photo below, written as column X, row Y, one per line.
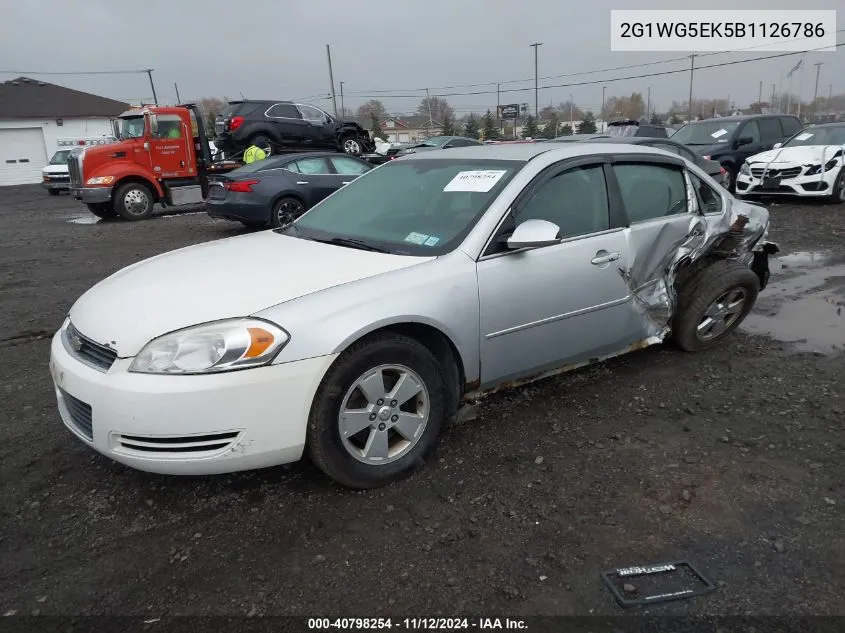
column 811, row 164
column 356, row 331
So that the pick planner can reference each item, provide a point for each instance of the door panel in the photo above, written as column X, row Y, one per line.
column 169, row 148
column 314, row 179
column 547, row 307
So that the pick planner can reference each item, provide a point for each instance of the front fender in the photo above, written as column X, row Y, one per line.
column 121, row 172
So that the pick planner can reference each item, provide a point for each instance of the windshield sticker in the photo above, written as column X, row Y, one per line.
column 431, row 241
column 482, row 180
column 719, row 133
column 416, row 238
column 803, row 136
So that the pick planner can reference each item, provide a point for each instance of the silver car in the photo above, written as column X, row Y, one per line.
column 419, row 287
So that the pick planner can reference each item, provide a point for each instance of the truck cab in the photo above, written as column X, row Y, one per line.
column 161, row 156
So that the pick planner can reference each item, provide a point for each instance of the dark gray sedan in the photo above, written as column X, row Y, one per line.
column 277, row 190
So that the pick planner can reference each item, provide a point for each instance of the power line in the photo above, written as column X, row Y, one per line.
column 603, row 81
column 576, row 74
column 87, row 72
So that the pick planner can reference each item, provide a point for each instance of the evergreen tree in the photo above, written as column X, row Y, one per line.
column 655, row 120
column 551, row 129
column 529, row 130
column 565, row 130
column 448, row 126
column 491, row 129
column 588, row 124
column 471, row 127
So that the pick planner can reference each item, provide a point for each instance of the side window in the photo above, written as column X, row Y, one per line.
column 283, row 111
column 312, row 166
column 312, row 114
column 651, row 191
column 575, row 200
column 348, row 166
column 751, row 130
column 770, row 130
column 708, row 198
column 292, row 166
column 169, row 126
column 790, row 125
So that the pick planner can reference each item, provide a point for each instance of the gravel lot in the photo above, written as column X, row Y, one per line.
column 732, row 459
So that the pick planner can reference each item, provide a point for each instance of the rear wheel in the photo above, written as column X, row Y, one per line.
column 378, row 412
column 286, row 211
column 133, row 201
column 712, row 303
column 838, row 193
column 102, row 210
column 352, row 145
column 263, row 143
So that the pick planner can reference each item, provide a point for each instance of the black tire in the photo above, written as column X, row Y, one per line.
column 705, row 290
column 838, row 194
column 285, row 210
column 102, row 210
column 134, row 201
column 262, row 142
column 352, row 145
column 54, row 192
column 325, row 445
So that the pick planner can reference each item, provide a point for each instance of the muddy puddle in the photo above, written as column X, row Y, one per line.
column 89, row 218
column 804, row 303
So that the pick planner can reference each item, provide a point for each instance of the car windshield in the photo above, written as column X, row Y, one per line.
column 435, row 141
column 60, row 157
column 412, row 207
column 833, row 135
column 705, row 132
column 131, row 127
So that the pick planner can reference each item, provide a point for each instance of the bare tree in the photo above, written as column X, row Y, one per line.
column 440, row 108
column 373, row 106
column 210, row 107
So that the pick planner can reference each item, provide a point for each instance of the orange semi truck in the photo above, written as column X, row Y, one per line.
column 161, row 156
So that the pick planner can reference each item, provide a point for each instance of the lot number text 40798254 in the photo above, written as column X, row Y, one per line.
column 415, row 624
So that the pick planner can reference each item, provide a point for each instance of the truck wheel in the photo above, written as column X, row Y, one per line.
column 286, row 211
column 378, row 412
column 263, row 143
column 102, row 210
column 351, row 145
column 712, row 303
column 133, row 201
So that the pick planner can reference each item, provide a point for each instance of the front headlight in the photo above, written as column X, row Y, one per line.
column 816, row 169
column 211, row 348
column 745, row 169
column 102, row 180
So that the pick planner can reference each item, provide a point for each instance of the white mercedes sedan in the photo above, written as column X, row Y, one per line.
column 354, row 333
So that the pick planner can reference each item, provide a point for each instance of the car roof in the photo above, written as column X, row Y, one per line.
column 742, row 117
column 632, row 139
column 833, row 124
column 525, row 152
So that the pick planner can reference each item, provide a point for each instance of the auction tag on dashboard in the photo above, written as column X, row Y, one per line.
column 416, row 238
column 482, row 180
column 803, row 136
column 719, row 133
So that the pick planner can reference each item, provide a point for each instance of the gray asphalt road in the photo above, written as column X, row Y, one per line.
column 732, row 459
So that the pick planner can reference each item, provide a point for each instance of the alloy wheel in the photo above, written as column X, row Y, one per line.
column 288, row 211
column 383, row 414
column 351, row 146
column 721, row 314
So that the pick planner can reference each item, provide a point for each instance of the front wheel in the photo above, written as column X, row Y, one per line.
column 378, row 412
column 286, row 211
column 133, row 201
column 102, row 210
column 838, row 193
column 713, row 303
column 352, row 146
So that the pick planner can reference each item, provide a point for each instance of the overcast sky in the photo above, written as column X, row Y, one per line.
column 276, row 49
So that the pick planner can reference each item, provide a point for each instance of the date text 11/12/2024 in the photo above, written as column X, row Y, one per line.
column 415, row 624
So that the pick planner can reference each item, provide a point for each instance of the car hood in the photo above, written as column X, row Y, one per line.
column 227, row 278
column 803, row 155
column 55, row 169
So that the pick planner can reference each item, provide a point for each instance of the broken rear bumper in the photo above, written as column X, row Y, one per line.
column 760, row 261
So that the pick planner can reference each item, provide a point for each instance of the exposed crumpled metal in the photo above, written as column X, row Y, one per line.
column 658, row 251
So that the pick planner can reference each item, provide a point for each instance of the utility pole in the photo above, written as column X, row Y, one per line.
column 760, row 93
column 571, row 123
column 331, row 78
column 691, row 73
column 179, row 100
column 342, row 109
column 772, row 104
column 816, row 91
column 601, row 114
column 648, row 105
column 536, row 45
column 430, row 118
column 499, row 109
column 152, row 85
column 801, row 84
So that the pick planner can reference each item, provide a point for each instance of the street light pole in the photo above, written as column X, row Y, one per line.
column 342, row 109
column 149, row 72
column 536, row 45
column 331, row 78
column 816, row 91
column 691, row 72
column 601, row 114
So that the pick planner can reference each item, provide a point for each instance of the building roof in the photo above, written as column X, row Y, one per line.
column 25, row 98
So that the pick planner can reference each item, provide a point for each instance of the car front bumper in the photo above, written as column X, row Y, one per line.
column 188, row 425
column 56, row 184
column 806, row 186
column 92, row 195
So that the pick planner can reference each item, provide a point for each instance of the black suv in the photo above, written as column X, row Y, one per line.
column 635, row 128
column 731, row 139
column 285, row 126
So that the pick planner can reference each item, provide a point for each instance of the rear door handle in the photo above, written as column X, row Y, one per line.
column 604, row 259
column 302, row 182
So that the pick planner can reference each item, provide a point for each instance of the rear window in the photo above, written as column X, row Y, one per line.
column 790, row 125
column 240, row 109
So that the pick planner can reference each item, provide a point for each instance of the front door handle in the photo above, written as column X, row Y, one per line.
column 302, row 182
column 346, row 182
column 603, row 257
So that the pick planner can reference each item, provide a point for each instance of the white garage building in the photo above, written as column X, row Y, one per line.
column 35, row 117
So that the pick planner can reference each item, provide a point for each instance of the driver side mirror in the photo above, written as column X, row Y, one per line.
column 534, row 234
column 745, row 140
